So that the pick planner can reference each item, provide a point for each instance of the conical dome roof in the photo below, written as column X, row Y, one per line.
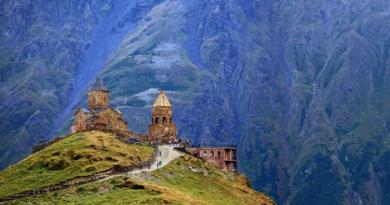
column 98, row 86
column 162, row 100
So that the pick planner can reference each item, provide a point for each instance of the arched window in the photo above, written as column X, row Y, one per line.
column 164, row 119
column 170, row 120
column 212, row 153
column 204, row 153
column 219, row 154
column 156, row 120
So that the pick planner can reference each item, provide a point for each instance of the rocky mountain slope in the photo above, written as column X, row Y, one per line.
column 186, row 180
column 49, row 53
column 302, row 87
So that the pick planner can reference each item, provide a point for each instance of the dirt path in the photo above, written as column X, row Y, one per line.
column 165, row 154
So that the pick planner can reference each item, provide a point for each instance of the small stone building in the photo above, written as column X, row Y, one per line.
column 224, row 158
column 99, row 115
column 162, row 129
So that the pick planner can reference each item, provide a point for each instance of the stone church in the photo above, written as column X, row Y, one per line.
column 99, row 115
column 162, row 129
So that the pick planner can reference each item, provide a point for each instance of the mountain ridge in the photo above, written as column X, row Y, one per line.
column 302, row 87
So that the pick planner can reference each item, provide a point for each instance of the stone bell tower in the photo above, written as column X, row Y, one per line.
column 98, row 95
column 162, row 128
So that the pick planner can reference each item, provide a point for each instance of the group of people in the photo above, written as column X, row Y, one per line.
column 158, row 163
column 176, row 142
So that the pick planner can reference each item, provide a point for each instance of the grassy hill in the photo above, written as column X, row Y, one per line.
column 186, row 180
column 81, row 154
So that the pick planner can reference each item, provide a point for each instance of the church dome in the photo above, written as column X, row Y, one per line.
column 162, row 100
column 98, row 86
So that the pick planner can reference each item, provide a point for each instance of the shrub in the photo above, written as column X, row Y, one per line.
column 131, row 185
column 76, row 156
column 94, row 189
column 80, row 189
column 70, row 153
column 93, row 146
column 96, row 159
column 56, row 163
column 108, row 158
column 56, row 153
column 113, row 182
column 90, row 169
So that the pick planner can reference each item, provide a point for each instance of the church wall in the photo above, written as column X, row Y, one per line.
column 98, row 99
column 107, row 119
column 114, row 120
column 165, row 132
column 79, row 123
column 161, row 113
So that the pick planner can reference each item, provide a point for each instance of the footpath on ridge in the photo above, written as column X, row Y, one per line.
column 165, row 154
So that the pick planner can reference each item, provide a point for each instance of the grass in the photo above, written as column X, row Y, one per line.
column 81, row 154
column 107, row 193
column 203, row 182
column 186, row 180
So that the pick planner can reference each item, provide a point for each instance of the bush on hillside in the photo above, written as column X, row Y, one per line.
column 56, row 163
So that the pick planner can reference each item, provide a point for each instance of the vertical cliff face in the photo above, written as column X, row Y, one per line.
column 329, row 127
column 302, row 87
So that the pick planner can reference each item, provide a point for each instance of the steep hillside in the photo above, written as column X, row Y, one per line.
column 302, row 86
column 187, row 180
column 81, row 154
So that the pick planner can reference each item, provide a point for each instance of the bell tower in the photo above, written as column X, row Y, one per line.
column 162, row 128
column 98, row 95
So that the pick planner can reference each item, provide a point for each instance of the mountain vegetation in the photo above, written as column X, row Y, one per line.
column 78, row 155
column 303, row 87
column 187, row 180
